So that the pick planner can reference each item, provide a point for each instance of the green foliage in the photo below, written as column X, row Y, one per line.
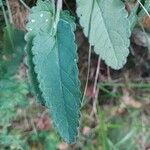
column 57, row 80
column 43, row 11
column 51, row 52
column 8, row 141
column 12, row 97
column 12, row 94
column 48, row 140
column 106, row 25
column 53, row 73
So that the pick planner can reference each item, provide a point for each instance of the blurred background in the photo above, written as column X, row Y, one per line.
column 116, row 110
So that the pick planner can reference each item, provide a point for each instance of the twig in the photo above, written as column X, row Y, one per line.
column 89, row 56
column 144, row 8
column 108, row 74
column 25, row 5
column 94, row 110
column 97, row 75
column 69, row 8
column 5, row 15
column 88, row 74
column 59, row 8
column 96, row 90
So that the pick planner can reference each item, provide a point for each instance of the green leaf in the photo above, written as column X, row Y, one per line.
column 55, row 64
column 41, row 19
column 106, row 25
column 52, row 68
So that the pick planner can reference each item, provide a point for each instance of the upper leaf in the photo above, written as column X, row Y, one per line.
column 40, row 19
column 106, row 25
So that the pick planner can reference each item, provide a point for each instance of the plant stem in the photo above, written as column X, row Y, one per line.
column 97, row 75
column 59, row 8
column 8, row 26
column 89, row 57
column 144, row 8
column 88, row 74
column 5, row 16
column 9, row 12
column 25, row 5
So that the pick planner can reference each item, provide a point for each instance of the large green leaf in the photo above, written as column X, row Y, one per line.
column 52, row 68
column 55, row 64
column 106, row 25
